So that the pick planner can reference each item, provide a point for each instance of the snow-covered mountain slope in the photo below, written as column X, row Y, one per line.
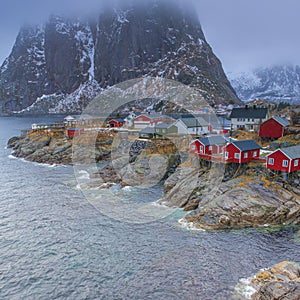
column 278, row 83
column 158, row 38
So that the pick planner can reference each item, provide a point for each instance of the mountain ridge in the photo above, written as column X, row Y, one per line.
column 58, row 57
column 279, row 83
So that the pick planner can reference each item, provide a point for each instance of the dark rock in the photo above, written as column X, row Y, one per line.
column 274, row 146
column 55, row 59
column 12, row 142
column 286, row 144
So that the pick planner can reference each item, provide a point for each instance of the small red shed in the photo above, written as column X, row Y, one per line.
column 285, row 160
column 242, row 151
column 273, row 128
column 72, row 132
column 208, row 145
column 116, row 123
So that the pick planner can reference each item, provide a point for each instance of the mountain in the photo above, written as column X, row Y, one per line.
column 50, row 62
column 277, row 83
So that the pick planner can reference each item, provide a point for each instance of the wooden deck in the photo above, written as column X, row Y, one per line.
column 219, row 158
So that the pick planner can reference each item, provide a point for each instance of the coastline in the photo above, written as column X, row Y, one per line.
column 212, row 198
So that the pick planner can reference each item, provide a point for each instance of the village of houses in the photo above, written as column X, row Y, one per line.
column 236, row 135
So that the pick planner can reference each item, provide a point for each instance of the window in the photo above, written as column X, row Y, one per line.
column 248, row 120
column 164, row 130
column 246, row 155
column 271, row 161
column 157, row 130
column 252, row 120
column 236, row 155
column 296, row 163
column 254, row 154
column 285, row 163
column 193, row 147
column 201, row 149
column 210, row 148
column 226, row 155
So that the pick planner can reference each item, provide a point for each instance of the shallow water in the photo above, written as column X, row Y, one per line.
column 55, row 245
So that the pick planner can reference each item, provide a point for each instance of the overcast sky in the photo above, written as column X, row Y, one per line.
column 243, row 33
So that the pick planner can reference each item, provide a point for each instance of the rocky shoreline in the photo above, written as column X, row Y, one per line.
column 281, row 281
column 247, row 200
column 56, row 148
column 250, row 200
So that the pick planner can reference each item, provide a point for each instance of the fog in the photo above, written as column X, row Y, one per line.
column 243, row 34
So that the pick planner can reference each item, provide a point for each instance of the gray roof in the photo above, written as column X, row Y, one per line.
column 148, row 130
column 249, row 113
column 163, row 125
column 281, row 121
column 212, row 140
column 194, row 122
column 246, row 145
column 292, row 152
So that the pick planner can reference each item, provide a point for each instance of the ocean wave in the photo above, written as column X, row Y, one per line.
column 189, row 225
column 244, row 288
column 36, row 163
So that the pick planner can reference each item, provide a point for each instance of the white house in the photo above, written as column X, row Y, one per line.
column 248, row 118
column 195, row 126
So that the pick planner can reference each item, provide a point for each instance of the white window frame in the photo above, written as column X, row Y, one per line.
column 237, row 155
column 254, row 153
column 285, row 163
column 246, row 155
column 193, row 147
column 226, row 154
column 210, row 148
column 201, row 149
column 296, row 163
column 271, row 161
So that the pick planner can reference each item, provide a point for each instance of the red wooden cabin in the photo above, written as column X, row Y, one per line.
column 71, row 132
column 242, row 151
column 285, row 160
column 273, row 128
column 208, row 145
column 116, row 123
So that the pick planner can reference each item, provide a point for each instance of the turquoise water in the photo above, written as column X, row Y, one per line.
column 55, row 245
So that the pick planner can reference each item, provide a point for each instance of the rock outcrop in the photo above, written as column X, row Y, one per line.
column 58, row 149
column 280, row 282
column 154, row 39
column 246, row 201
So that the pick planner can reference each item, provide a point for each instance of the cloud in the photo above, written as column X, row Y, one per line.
column 243, row 34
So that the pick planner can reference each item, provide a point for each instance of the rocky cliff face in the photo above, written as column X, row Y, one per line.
column 279, row 84
column 124, row 43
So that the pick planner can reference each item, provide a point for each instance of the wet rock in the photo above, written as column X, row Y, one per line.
column 281, row 281
column 237, row 203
